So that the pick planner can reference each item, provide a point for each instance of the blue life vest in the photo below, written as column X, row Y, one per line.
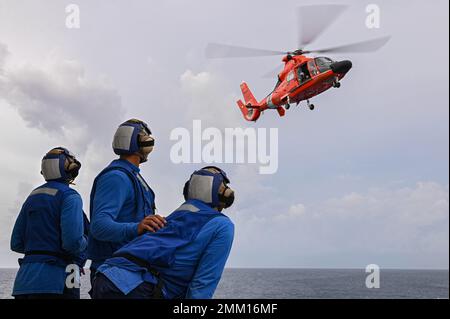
column 144, row 206
column 156, row 251
column 42, row 211
column 81, row 259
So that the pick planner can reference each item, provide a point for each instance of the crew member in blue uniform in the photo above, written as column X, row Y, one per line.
column 50, row 231
column 122, row 204
column 186, row 258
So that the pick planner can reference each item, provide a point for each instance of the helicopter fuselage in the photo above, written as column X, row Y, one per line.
column 301, row 79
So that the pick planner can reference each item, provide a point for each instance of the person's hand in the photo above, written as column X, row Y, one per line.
column 151, row 223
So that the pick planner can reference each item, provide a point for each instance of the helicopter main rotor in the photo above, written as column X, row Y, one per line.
column 312, row 22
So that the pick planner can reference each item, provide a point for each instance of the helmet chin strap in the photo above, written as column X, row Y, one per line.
column 146, row 143
column 142, row 158
column 226, row 197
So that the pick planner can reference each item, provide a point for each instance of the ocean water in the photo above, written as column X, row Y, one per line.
column 307, row 283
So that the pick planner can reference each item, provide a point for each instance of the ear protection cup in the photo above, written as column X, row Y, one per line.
column 134, row 136
column 73, row 167
column 65, row 168
column 186, row 190
column 146, row 143
column 226, row 197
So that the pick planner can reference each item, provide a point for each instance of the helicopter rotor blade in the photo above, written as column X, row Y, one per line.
column 359, row 47
column 273, row 73
column 313, row 20
column 217, row 51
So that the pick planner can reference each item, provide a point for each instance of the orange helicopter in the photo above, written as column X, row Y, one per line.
column 302, row 77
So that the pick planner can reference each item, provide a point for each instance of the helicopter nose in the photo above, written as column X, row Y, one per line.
column 341, row 67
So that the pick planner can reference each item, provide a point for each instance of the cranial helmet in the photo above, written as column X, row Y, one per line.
column 209, row 185
column 59, row 164
column 133, row 137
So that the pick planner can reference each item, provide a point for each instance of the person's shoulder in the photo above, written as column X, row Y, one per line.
column 71, row 196
column 225, row 220
column 221, row 224
column 69, row 192
column 114, row 175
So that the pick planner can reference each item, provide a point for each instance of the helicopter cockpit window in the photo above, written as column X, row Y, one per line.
column 303, row 73
column 291, row 76
column 323, row 64
column 312, row 68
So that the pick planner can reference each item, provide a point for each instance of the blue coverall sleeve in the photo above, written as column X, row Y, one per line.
column 110, row 195
column 72, row 230
column 212, row 263
column 17, row 236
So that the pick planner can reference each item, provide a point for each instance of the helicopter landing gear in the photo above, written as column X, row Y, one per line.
column 287, row 106
column 311, row 106
column 336, row 84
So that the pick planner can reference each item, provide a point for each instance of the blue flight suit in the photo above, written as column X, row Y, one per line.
column 120, row 199
column 50, row 232
column 189, row 254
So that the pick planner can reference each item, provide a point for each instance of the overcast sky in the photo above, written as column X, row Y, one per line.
column 363, row 179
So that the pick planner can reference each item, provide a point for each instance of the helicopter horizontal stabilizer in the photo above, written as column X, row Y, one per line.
column 250, row 114
column 281, row 111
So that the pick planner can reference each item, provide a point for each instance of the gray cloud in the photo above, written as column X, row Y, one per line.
column 57, row 97
column 6, row 224
column 321, row 208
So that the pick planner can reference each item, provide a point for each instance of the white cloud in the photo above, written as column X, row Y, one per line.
column 404, row 226
column 424, row 204
column 208, row 99
column 58, row 97
column 3, row 55
column 371, row 137
column 61, row 105
column 297, row 210
column 294, row 213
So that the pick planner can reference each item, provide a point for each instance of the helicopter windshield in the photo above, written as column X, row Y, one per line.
column 323, row 64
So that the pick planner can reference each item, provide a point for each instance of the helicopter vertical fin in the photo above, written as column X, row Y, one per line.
column 253, row 113
column 248, row 95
